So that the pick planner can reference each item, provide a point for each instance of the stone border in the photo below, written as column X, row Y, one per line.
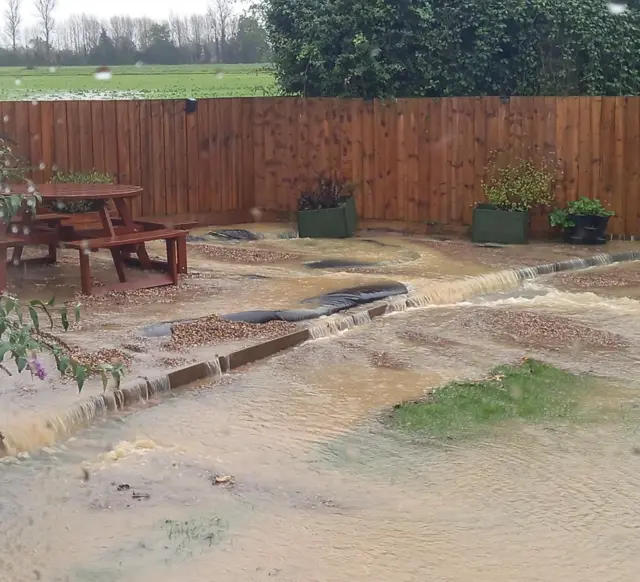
column 83, row 414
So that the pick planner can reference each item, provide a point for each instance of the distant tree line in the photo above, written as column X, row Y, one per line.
column 219, row 36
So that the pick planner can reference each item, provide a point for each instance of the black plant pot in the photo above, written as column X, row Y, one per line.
column 588, row 230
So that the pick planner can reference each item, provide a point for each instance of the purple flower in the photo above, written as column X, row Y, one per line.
column 37, row 369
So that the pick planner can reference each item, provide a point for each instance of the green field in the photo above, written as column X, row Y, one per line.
column 136, row 82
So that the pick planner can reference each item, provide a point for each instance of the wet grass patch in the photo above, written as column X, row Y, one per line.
column 531, row 392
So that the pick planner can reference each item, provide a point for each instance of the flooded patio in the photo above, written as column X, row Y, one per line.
column 284, row 469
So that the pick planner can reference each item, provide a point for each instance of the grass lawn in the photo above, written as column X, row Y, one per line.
column 136, row 82
column 531, row 392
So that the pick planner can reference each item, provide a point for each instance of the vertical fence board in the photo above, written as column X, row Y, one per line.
column 109, row 121
column 608, row 146
column 156, row 144
column 47, row 139
column 35, row 141
column 632, row 168
column 424, row 151
column 205, row 159
column 62, row 133
column 193, row 161
column 181, row 169
column 98, row 137
column 620, row 187
column 170, row 155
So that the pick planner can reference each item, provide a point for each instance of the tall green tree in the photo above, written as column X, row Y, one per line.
column 404, row 48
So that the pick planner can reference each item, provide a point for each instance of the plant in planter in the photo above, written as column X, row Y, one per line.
column 327, row 211
column 512, row 192
column 583, row 221
column 80, row 206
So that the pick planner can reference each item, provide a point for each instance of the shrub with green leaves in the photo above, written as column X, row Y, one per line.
column 80, row 206
column 22, row 340
column 584, row 206
column 520, row 187
column 13, row 171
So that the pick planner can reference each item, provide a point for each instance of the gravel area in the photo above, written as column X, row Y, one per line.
column 101, row 356
column 166, row 294
column 622, row 276
column 212, row 329
column 241, row 254
column 538, row 329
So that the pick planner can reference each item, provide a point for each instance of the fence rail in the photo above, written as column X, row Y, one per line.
column 412, row 159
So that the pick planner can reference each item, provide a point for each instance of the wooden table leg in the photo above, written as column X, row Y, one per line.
column 85, row 273
column 125, row 214
column 182, row 255
column 118, row 261
column 172, row 260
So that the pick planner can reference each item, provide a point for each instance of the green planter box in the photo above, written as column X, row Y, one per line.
column 499, row 226
column 340, row 222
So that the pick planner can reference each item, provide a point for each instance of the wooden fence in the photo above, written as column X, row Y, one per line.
column 412, row 159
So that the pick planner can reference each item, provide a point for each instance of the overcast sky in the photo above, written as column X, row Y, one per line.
column 105, row 8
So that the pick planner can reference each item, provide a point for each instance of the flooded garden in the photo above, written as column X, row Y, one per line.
column 487, row 432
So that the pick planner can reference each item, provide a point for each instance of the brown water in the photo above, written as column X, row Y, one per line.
column 322, row 492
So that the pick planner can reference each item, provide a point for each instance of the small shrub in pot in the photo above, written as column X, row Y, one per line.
column 328, row 210
column 511, row 193
column 583, row 221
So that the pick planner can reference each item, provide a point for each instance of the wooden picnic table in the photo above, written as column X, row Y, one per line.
column 120, row 234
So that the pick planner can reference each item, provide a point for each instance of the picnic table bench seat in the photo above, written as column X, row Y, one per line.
column 119, row 243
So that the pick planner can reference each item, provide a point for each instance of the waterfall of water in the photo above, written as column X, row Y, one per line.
column 338, row 324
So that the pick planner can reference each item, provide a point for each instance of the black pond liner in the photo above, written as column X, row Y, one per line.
column 235, row 234
column 229, row 235
column 338, row 264
column 327, row 304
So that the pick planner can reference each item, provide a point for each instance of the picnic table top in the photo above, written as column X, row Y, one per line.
column 80, row 191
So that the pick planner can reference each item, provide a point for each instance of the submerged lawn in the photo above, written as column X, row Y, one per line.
column 531, row 391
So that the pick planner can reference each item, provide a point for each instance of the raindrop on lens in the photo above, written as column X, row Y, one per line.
column 34, row 103
column 5, row 118
column 54, row 168
column 103, row 74
column 42, row 165
column 14, row 229
column 219, row 76
column 31, row 189
column 26, row 230
column 617, row 7
column 18, row 82
column 139, row 64
column 52, row 69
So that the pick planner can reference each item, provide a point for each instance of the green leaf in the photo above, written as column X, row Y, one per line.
column 43, row 307
column 65, row 318
column 51, row 302
column 63, row 363
column 34, row 317
column 81, row 376
column 4, row 349
column 21, row 363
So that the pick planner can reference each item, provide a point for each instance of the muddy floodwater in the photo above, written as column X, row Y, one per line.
column 284, row 471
